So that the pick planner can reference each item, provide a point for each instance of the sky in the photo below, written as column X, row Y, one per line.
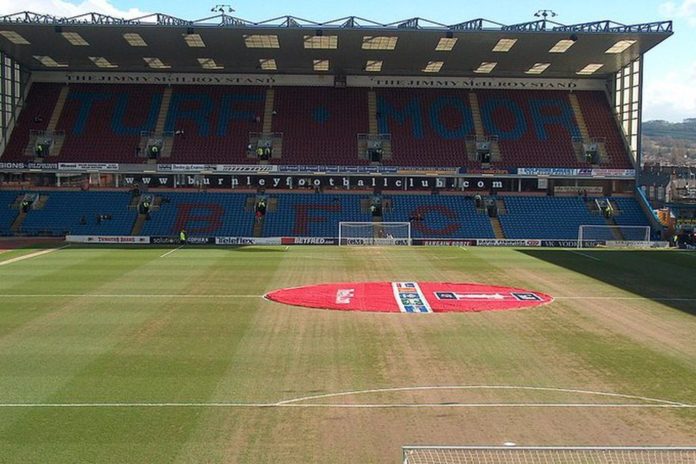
column 670, row 68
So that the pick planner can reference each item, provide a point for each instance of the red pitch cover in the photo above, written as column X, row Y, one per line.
column 410, row 297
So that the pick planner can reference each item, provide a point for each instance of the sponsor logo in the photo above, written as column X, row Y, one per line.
column 527, row 296
column 344, row 296
column 164, row 240
column 234, row 241
column 508, row 243
column 198, row 240
column 310, row 241
column 559, row 243
column 410, row 298
column 453, row 243
column 107, row 239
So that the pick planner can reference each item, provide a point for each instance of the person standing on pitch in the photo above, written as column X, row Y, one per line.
column 182, row 237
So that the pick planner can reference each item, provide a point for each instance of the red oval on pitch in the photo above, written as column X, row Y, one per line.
column 410, row 297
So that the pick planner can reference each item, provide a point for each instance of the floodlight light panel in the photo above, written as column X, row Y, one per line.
column 321, row 42
column 446, row 44
column 134, row 39
column 49, row 62
column 102, row 62
column 380, row 42
column 433, row 66
column 209, row 63
column 590, row 69
column 504, row 45
column 268, row 64
column 374, row 65
column 620, row 46
column 194, row 40
column 486, row 67
column 155, row 63
column 538, row 68
column 75, row 39
column 261, row 41
column 562, row 46
column 15, row 37
column 321, row 65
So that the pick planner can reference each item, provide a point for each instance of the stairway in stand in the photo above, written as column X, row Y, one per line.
column 497, row 228
column 372, row 112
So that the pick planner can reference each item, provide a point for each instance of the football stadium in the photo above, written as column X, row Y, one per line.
column 292, row 241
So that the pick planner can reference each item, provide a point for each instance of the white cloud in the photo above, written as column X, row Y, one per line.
column 67, row 9
column 673, row 96
column 684, row 10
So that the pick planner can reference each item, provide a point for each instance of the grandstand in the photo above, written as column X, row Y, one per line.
column 547, row 147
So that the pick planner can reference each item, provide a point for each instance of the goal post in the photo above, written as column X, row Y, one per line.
column 374, row 233
column 546, row 455
column 590, row 235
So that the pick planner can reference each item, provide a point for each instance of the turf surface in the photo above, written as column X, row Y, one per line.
column 141, row 355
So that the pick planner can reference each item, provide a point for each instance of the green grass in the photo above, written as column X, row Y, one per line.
column 116, row 325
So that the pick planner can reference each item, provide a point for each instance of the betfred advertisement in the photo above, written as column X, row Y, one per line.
column 308, row 241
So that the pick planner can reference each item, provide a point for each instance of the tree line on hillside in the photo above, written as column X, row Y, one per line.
column 670, row 143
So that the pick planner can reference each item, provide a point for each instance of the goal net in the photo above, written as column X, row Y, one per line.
column 547, row 455
column 374, row 233
column 617, row 236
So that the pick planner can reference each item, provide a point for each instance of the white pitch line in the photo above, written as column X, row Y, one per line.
column 620, row 298
column 171, row 251
column 208, row 296
column 31, row 255
column 90, row 295
column 344, row 406
column 300, row 402
column 584, row 254
column 483, row 387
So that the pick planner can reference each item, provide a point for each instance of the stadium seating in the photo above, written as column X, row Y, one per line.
column 601, row 123
column 428, row 127
column 201, row 214
column 444, row 216
column 320, row 125
column 39, row 104
column 103, row 123
column 216, row 122
column 7, row 214
column 311, row 215
column 63, row 212
column 535, row 128
column 561, row 217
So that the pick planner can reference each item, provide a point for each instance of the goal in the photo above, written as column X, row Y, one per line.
column 374, row 233
column 618, row 236
column 547, row 455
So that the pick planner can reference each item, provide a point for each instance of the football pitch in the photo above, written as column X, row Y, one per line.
column 172, row 355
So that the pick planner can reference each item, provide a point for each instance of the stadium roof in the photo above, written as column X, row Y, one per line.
column 349, row 46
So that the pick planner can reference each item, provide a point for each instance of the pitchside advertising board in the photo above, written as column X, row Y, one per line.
column 247, row 241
